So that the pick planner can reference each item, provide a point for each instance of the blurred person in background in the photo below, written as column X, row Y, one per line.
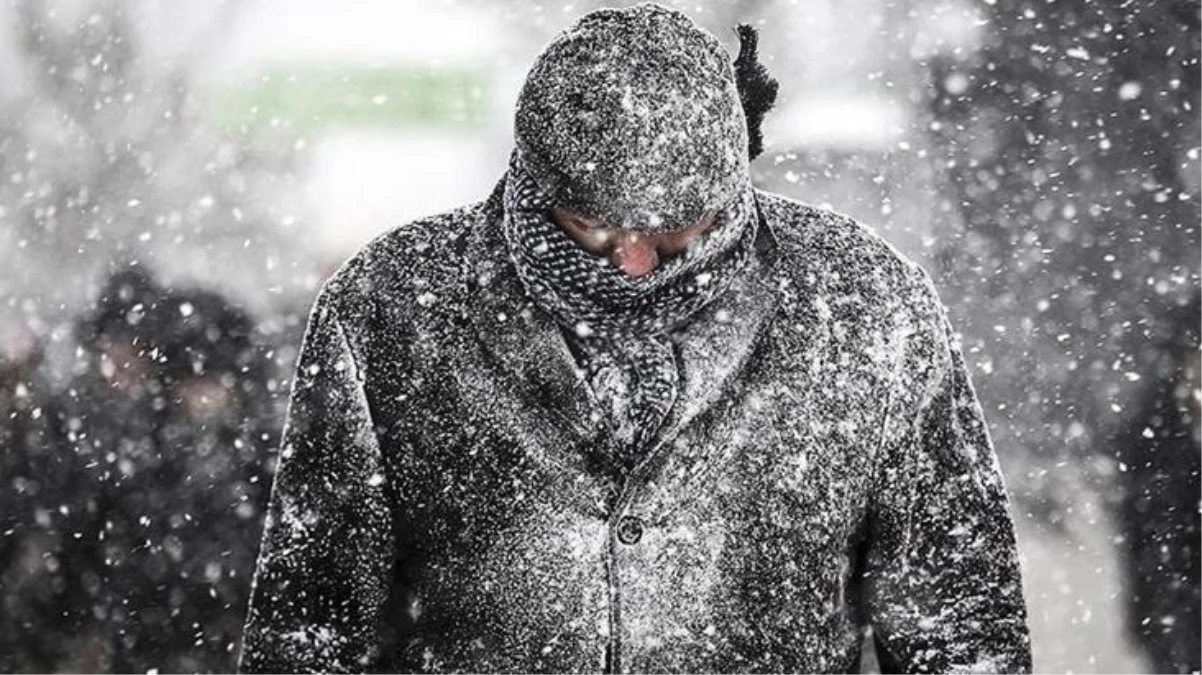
column 217, row 429
column 154, row 505
column 39, row 512
column 1161, row 459
column 99, row 430
column 631, row 414
column 112, row 411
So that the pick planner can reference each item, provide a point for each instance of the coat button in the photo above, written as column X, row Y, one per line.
column 630, row 530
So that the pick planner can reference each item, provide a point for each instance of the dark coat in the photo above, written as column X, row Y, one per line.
column 444, row 502
column 1159, row 520
column 149, row 496
column 1158, row 488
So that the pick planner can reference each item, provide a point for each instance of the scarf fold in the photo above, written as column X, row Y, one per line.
column 619, row 326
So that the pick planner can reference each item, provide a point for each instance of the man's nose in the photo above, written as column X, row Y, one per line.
column 634, row 254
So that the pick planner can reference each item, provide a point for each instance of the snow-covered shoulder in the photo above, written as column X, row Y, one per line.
column 842, row 246
column 414, row 264
column 841, row 275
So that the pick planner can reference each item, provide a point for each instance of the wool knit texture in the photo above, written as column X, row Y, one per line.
column 632, row 116
column 620, row 326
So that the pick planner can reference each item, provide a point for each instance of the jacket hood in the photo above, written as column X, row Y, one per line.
column 633, row 116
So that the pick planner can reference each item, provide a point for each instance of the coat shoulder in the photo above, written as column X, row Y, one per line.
column 842, row 260
column 420, row 262
column 842, row 283
column 813, row 238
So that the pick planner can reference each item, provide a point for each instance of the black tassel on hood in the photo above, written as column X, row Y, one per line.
column 757, row 89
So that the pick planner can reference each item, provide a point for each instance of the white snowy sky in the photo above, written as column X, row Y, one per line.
column 360, row 30
column 362, row 181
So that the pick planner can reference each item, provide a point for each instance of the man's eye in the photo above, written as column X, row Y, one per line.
column 586, row 225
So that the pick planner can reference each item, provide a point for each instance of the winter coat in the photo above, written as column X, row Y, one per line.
column 1159, row 520
column 444, row 503
column 131, row 513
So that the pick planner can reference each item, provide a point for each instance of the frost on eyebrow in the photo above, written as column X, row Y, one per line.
column 581, row 221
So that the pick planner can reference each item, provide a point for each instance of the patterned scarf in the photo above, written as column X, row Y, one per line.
column 619, row 326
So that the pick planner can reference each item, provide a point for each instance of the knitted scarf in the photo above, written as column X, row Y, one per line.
column 619, row 326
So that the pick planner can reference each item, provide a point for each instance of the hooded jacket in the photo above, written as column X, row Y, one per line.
column 443, row 500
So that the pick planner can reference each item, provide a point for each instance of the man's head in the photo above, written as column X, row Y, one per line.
column 123, row 331
column 637, row 126
column 631, row 119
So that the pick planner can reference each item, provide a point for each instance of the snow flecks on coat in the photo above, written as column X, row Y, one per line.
column 824, row 468
column 324, row 508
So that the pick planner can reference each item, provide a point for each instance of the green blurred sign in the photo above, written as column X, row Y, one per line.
column 389, row 97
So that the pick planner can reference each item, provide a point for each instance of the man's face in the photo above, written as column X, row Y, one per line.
column 635, row 253
column 122, row 364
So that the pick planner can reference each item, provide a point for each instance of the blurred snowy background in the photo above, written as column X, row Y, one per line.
column 177, row 179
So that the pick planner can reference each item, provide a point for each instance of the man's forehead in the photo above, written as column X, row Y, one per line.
column 653, row 182
column 656, row 224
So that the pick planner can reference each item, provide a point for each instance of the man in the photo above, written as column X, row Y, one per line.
column 1160, row 451
column 154, row 492
column 37, row 512
column 630, row 414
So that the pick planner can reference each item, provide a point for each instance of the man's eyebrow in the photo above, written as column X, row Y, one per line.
column 585, row 220
column 596, row 224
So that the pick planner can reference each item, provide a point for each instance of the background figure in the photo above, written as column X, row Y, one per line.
column 110, row 412
column 162, row 438
column 39, row 513
column 1160, row 455
column 217, row 429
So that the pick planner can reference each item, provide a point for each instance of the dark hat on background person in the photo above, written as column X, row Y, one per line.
column 126, row 310
column 206, row 335
column 634, row 116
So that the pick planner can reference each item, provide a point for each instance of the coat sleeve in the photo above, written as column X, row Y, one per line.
column 324, row 566
column 943, row 585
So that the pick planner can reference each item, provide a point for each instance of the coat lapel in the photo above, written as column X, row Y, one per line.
column 526, row 346
column 714, row 348
column 522, row 342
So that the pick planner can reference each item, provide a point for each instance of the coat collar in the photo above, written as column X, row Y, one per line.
column 527, row 348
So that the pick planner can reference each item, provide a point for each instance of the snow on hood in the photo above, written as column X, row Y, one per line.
column 633, row 116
